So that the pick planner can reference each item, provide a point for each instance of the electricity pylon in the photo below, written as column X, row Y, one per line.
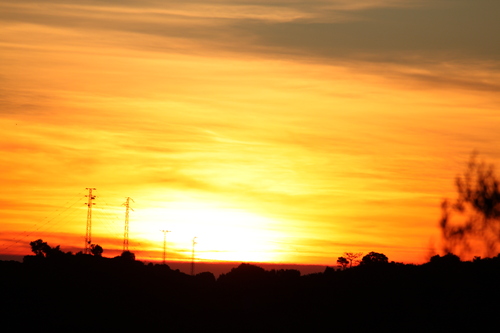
column 88, row 233
column 125, row 235
column 164, row 245
column 192, row 258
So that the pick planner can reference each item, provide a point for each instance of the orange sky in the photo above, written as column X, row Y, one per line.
column 271, row 130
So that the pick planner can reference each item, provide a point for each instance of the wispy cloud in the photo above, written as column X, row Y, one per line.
column 338, row 120
column 378, row 32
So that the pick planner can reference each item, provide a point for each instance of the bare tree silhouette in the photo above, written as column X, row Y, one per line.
column 342, row 262
column 475, row 212
column 352, row 257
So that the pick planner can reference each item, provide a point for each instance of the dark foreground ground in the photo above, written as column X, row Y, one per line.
column 90, row 294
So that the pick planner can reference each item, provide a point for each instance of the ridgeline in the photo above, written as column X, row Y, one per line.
column 62, row 292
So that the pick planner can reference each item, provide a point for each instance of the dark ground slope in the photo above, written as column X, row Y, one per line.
column 84, row 293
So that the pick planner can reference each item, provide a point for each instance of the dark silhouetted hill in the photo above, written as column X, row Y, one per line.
column 82, row 293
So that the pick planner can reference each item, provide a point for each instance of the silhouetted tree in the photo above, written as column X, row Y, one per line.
column 478, row 208
column 329, row 271
column 287, row 274
column 127, row 255
column 342, row 262
column 97, row 250
column 40, row 248
column 54, row 252
column 447, row 259
column 245, row 274
column 374, row 258
column 205, row 278
column 352, row 257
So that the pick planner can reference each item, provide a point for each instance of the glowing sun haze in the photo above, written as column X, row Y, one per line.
column 278, row 131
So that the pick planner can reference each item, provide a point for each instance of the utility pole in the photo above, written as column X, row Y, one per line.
column 164, row 245
column 192, row 259
column 125, row 236
column 88, row 234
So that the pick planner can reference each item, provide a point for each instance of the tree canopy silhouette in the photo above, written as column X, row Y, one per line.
column 40, row 248
column 128, row 256
column 477, row 209
column 374, row 258
column 447, row 259
column 96, row 250
column 342, row 262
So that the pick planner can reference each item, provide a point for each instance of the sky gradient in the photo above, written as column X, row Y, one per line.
column 279, row 131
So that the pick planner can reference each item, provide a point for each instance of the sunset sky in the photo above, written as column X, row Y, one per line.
column 273, row 131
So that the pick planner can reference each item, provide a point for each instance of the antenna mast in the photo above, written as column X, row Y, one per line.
column 88, row 234
column 164, row 245
column 192, row 259
column 125, row 236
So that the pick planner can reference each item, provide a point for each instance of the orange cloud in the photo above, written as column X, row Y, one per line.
column 319, row 134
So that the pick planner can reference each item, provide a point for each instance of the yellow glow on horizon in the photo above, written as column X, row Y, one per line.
column 222, row 234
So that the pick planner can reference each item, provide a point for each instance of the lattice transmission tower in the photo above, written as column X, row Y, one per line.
column 127, row 210
column 193, row 256
column 88, row 233
column 165, row 245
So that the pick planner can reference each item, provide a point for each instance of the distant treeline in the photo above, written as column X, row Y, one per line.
column 90, row 293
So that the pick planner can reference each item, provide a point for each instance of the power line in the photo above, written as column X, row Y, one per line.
column 108, row 218
column 50, row 221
